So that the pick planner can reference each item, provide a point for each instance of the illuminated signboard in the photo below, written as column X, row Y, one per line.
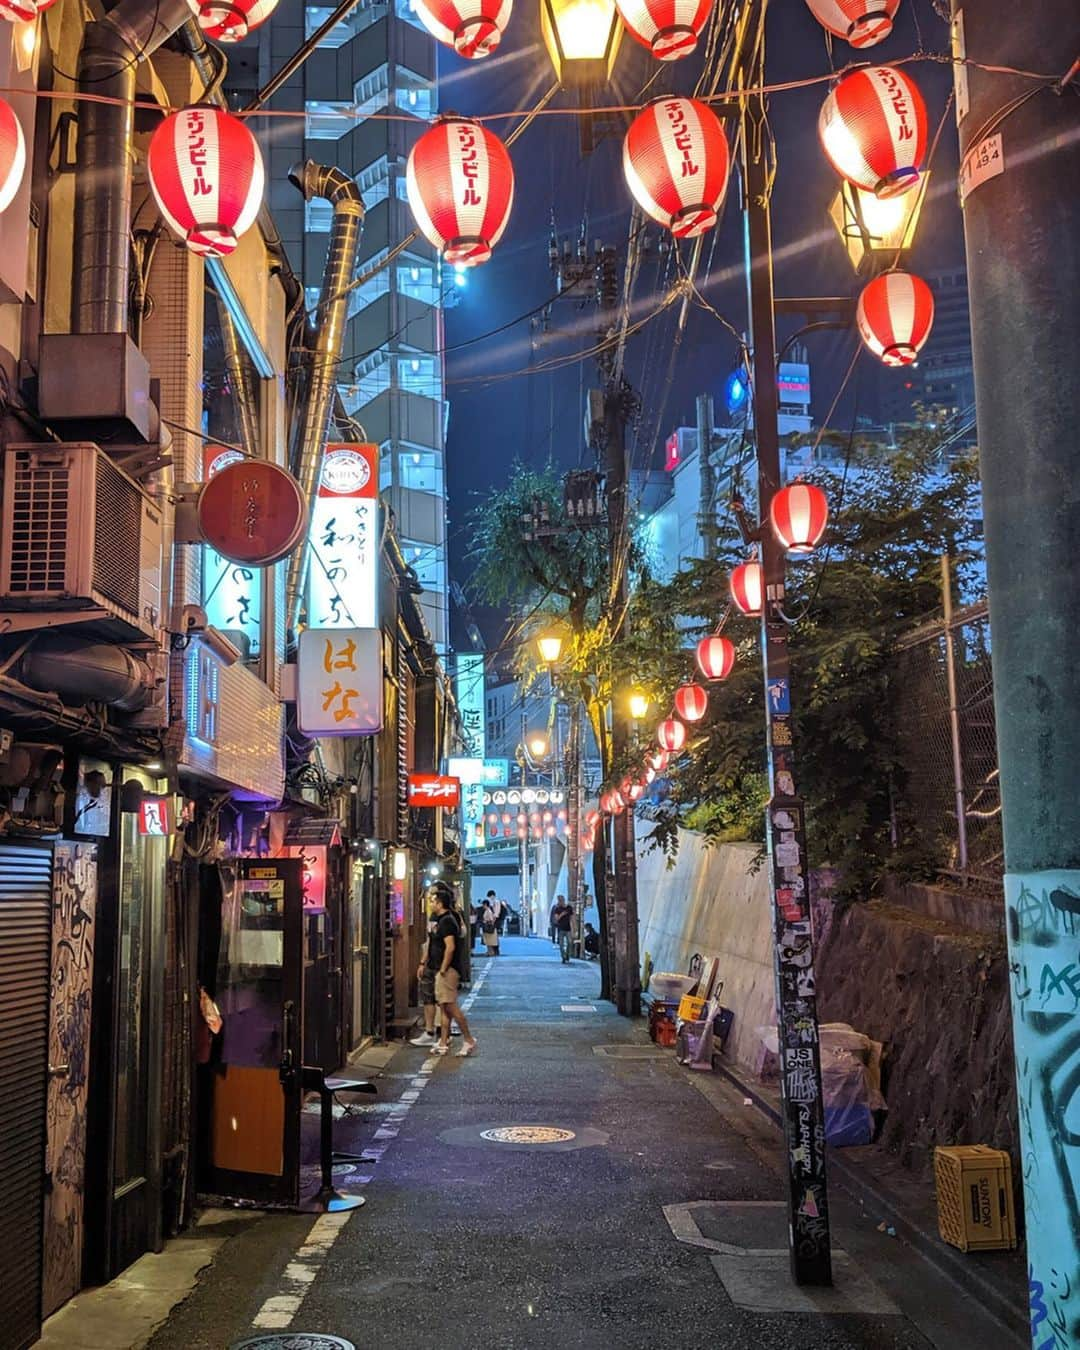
column 433, row 789
column 489, row 772
column 793, row 383
column 339, row 682
column 232, row 592
column 469, row 692
column 313, row 873
column 343, row 575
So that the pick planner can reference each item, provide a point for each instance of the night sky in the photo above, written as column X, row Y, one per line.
column 495, row 418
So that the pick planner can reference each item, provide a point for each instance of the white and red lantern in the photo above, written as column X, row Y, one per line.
column 799, row 514
column 746, row 588
column 715, row 657
column 592, row 819
column 636, row 792
column 671, row 735
column 658, row 760
column 863, row 23
column 206, row 174
column 874, row 131
column 474, row 28
column 894, row 315
column 691, row 701
column 12, row 154
column 461, row 187
column 676, row 162
column 669, row 28
column 23, row 11
column 231, row 20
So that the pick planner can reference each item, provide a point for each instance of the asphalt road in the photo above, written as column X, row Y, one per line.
column 575, row 1243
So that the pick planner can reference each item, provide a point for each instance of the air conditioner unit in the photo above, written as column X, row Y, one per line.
column 79, row 535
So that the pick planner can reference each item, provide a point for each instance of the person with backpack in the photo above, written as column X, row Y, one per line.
column 444, row 958
column 489, row 927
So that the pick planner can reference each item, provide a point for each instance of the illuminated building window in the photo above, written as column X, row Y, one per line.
column 363, row 16
column 325, row 121
column 414, row 93
column 420, row 470
column 419, row 374
column 418, row 279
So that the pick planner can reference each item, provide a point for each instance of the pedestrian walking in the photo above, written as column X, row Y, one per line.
column 444, row 960
column 563, row 917
column 489, row 929
column 425, row 976
column 551, row 921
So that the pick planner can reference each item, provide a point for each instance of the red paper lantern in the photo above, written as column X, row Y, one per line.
column 658, row 760
column 23, row 11
column 676, row 161
column 715, row 657
column 636, row 792
column 799, row 514
column 863, row 23
column 671, row 734
column 474, row 28
column 592, row 819
column 231, row 20
column 691, row 702
column 895, row 314
column 669, row 28
column 12, row 154
column 874, row 130
column 206, row 174
column 461, row 188
column 746, row 588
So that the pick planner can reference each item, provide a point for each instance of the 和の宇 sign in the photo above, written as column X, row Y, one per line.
column 339, row 682
column 343, row 576
column 434, row 789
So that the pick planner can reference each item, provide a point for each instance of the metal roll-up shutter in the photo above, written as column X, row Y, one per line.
column 25, row 942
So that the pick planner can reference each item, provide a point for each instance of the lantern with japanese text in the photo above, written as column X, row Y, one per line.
column 474, row 28
column 894, row 315
column 206, row 174
column 676, row 162
column 715, row 657
column 461, row 187
column 231, row 20
column 669, row 28
column 799, row 514
column 12, row 154
column 671, row 735
column 873, row 129
column 23, row 11
column 691, row 701
column 746, row 588
column 863, row 23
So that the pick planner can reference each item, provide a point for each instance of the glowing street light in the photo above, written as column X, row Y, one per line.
column 876, row 229
column 582, row 38
column 537, row 744
column 639, row 705
column 550, row 646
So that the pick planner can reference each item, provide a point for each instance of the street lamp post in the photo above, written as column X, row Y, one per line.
column 582, row 38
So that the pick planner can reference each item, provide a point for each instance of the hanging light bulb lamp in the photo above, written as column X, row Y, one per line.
column 691, row 702
column 231, row 20
column 460, row 184
column 473, row 28
column 746, row 589
column 894, row 316
column 873, row 129
column 715, row 657
column 676, row 163
column 669, row 28
column 799, row 514
column 862, row 23
column 12, row 154
column 671, row 735
column 206, row 174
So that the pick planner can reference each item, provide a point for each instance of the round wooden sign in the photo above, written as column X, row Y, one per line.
column 252, row 512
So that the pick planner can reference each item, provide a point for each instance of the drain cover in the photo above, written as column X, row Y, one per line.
column 527, row 1134
column 294, row 1340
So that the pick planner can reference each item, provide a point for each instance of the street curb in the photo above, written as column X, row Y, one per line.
column 946, row 1260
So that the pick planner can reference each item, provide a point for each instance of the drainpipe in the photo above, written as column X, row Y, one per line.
column 315, row 180
column 238, row 369
column 111, row 50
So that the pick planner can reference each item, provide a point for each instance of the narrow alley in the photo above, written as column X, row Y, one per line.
column 571, row 1185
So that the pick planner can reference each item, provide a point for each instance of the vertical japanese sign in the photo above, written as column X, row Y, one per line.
column 313, row 874
column 340, row 681
column 232, row 592
column 343, row 576
column 469, row 692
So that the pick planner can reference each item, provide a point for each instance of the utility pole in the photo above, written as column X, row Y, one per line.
column 796, row 1003
column 1020, row 163
column 707, row 480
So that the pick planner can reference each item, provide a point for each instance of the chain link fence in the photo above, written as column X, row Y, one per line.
column 949, row 802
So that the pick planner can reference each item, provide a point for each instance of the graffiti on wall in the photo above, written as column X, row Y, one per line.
column 1043, row 911
column 74, row 905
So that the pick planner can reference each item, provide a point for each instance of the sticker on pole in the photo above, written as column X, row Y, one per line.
column 982, row 162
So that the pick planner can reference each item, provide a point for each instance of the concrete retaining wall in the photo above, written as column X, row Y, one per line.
column 712, row 904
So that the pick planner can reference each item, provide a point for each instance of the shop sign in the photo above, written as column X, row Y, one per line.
column 232, row 592
column 155, row 816
column 339, row 682
column 469, row 693
column 313, row 873
column 343, row 575
column 434, row 789
column 252, row 512
column 489, row 772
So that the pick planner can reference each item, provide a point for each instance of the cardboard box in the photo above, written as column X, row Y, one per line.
column 975, row 1198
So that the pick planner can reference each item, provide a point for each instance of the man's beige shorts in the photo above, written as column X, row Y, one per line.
column 446, row 986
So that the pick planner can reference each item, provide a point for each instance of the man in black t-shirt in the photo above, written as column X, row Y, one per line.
column 562, row 916
column 444, row 959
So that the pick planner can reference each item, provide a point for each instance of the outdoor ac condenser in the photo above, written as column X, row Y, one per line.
column 79, row 534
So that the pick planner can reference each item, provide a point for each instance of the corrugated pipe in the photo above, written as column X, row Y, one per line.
column 316, row 180
column 238, row 367
column 82, row 672
column 111, row 50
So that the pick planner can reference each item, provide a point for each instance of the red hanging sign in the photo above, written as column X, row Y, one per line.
column 434, row 789
column 252, row 512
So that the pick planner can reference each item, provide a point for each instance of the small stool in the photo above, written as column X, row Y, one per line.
column 329, row 1200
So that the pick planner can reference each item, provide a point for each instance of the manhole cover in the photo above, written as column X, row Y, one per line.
column 527, row 1134
column 294, row 1340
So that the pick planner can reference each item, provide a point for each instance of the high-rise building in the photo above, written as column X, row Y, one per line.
column 392, row 383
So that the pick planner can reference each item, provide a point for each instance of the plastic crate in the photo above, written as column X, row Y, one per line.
column 975, row 1198
column 691, row 1008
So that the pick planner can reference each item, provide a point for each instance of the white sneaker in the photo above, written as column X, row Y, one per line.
column 441, row 1050
column 425, row 1038
column 467, row 1048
